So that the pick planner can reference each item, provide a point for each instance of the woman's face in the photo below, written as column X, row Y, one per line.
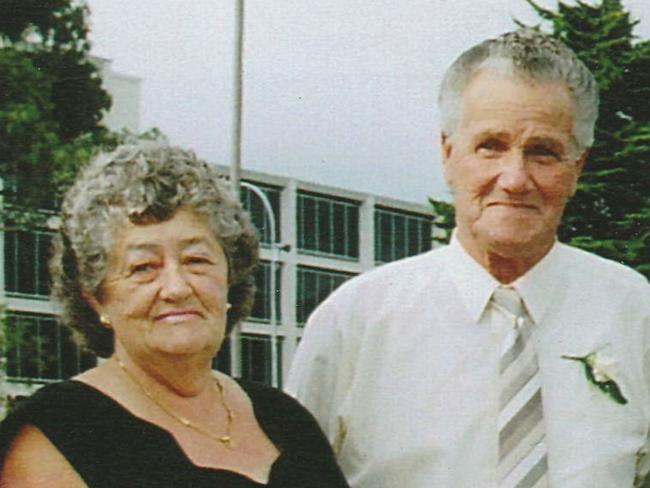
column 165, row 289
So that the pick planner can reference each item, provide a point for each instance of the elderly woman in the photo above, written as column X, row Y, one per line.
column 153, row 267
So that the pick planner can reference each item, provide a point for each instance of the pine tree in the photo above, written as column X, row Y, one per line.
column 610, row 214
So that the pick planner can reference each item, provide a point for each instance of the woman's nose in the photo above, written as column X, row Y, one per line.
column 174, row 284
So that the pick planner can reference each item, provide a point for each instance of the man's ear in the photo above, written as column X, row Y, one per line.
column 445, row 145
column 579, row 164
column 446, row 148
column 582, row 159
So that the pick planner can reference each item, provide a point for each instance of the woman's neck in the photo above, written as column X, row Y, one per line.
column 180, row 376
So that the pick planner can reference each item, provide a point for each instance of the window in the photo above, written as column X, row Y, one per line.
column 262, row 306
column 39, row 349
column 253, row 204
column 44, row 200
column 399, row 234
column 256, row 358
column 328, row 226
column 26, row 256
column 314, row 286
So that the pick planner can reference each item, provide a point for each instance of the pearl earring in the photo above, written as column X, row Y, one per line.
column 105, row 321
column 228, row 305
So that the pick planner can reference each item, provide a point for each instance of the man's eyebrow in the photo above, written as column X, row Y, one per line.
column 547, row 141
column 489, row 134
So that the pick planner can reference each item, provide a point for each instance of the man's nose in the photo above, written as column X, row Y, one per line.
column 174, row 284
column 514, row 176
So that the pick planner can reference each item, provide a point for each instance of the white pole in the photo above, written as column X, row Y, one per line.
column 275, row 250
column 238, row 88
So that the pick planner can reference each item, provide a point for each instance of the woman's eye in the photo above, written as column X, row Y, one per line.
column 198, row 260
column 142, row 268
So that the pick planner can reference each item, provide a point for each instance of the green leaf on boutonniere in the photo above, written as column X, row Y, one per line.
column 598, row 377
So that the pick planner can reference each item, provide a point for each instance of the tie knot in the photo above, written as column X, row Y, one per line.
column 509, row 299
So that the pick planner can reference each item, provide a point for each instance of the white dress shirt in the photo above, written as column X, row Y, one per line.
column 399, row 366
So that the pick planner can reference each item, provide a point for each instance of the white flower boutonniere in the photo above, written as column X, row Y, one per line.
column 600, row 371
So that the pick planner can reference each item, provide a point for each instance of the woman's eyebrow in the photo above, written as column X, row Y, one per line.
column 194, row 241
column 142, row 246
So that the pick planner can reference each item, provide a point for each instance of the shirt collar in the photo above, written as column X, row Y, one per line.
column 539, row 284
column 472, row 282
column 475, row 284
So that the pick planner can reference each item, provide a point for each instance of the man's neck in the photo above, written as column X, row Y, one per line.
column 506, row 265
column 505, row 269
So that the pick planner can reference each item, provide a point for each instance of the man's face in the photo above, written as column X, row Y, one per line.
column 512, row 164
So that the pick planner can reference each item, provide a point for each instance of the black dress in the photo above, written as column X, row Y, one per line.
column 109, row 447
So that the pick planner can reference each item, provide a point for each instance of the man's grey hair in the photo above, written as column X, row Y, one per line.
column 531, row 55
column 142, row 183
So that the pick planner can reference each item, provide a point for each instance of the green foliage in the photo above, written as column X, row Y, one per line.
column 610, row 213
column 36, row 350
column 51, row 99
column 53, row 35
column 444, row 220
column 3, row 360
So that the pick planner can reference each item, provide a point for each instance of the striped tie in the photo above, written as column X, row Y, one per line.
column 522, row 448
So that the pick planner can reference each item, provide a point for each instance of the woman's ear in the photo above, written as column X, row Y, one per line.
column 92, row 301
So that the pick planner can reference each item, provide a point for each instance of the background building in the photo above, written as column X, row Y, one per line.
column 324, row 236
column 125, row 91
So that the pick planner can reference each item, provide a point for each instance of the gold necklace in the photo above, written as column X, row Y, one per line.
column 225, row 439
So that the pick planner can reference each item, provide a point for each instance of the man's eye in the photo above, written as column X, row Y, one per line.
column 490, row 146
column 543, row 152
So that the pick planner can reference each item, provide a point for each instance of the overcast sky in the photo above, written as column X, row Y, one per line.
column 340, row 92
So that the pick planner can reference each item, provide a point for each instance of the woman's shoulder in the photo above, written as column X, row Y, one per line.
column 53, row 409
column 65, row 397
column 61, row 411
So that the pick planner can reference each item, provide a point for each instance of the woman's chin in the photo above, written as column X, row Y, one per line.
column 183, row 343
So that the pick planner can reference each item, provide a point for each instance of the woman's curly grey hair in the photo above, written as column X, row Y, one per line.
column 532, row 55
column 144, row 183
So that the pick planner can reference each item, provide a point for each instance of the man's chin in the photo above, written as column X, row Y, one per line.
column 519, row 244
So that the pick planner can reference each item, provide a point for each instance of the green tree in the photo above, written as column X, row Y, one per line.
column 444, row 220
column 610, row 213
column 51, row 99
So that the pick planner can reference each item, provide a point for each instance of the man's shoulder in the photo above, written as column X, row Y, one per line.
column 394, row 279
column 597, row 270
column 409, row 268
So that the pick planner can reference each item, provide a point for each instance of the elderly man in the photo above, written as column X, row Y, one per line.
column 505, row 359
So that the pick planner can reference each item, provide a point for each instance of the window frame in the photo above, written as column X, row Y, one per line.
column 424, row 236
column 310, row 241
column 302, row 312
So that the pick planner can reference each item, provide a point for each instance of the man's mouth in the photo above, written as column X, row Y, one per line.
column 523, row 205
